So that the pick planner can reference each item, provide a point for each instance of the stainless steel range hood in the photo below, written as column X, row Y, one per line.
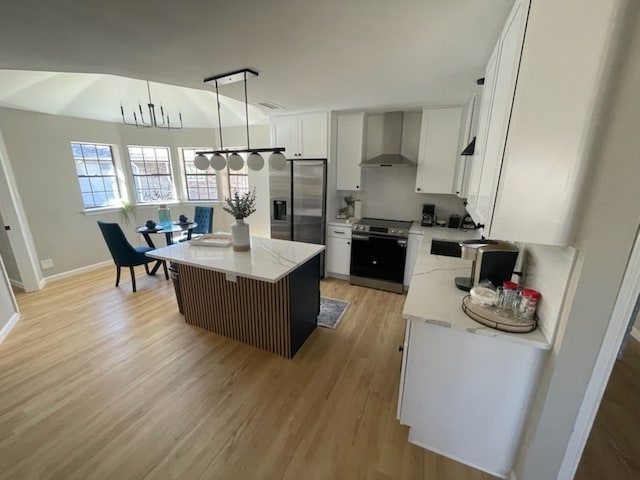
column 391, row 144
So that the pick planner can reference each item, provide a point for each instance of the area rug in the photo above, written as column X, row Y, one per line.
column 331, row 312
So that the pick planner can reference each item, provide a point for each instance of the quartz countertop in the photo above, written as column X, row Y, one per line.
column 268, row 259
column 434, row 298
column 343, row 221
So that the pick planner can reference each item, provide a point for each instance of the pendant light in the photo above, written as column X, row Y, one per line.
column 277, row 160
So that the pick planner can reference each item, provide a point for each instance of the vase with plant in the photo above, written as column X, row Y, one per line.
column 240, row 206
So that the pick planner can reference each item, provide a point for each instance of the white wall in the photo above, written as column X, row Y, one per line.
column 608, row 219
column 39, row 152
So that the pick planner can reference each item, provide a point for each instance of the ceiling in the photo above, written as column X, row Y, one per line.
column 311, row 55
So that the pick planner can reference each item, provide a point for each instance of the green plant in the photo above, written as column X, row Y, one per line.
column 241, row 206
column 128, row 211
column 350, row 200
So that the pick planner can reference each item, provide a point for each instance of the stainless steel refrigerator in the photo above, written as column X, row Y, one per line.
column 298, row 201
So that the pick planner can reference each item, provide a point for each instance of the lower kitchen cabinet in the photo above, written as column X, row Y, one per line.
column 338, row 254
column 465, row 395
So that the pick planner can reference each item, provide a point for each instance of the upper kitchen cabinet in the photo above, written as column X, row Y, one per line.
column 350, row 150
column 495, row 110
column 536, row 124
column 439, row 150
column 302, row 136
column 468, row 132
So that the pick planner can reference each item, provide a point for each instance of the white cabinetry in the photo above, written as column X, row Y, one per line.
column 302, row 136
column 500, row 80
column 338, row 254
column 465, row 396
column 350, row 150
column 438, row 152
column 468, row 132
column 413, row 247
column 529, row 162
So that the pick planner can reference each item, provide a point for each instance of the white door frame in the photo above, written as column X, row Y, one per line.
column 622, row 311
column 19, row 236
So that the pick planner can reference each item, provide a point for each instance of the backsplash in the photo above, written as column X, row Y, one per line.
column 547, row 270
column 390, row 193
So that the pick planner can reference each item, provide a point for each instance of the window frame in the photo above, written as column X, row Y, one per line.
column 122, row 193
column 172, row 177
column 232, row 173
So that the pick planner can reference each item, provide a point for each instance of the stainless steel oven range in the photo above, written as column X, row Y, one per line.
column 378, row 253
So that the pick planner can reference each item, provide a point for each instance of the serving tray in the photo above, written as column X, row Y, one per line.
column 489, row 317
column 212, row 240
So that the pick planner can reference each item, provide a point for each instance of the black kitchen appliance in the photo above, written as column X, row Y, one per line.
column 454, row 221
column 491, row 260
column 428, row 215
column 378, row 253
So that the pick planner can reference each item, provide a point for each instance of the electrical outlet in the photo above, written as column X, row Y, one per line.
column 46, row 263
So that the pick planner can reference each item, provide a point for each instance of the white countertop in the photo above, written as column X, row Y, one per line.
column 434, row 298
column 343, row 221
column 268, row 260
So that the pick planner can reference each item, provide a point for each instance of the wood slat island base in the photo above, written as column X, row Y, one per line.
column 277, row 317
column 268, row 297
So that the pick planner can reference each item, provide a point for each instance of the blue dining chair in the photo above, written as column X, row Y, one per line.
column 124, row 255
column 203, row 216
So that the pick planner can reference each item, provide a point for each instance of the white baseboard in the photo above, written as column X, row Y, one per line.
column 635, row 333
column 76, row 271
column 16, row 283
column 8, row 326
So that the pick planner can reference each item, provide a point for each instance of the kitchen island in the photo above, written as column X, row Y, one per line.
column 268, row 297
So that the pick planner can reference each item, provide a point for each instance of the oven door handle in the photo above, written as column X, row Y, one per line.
column 360, row 237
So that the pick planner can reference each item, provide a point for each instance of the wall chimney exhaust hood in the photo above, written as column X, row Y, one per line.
column 392, row 144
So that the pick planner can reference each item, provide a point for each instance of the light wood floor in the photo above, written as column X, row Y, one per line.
column 613, row 448
column 98, row 382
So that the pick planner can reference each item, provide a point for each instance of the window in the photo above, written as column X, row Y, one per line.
column 151, row 169
column 97, row 175
column 201, row 184
column 239, row 179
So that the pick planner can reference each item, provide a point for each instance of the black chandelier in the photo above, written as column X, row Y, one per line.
column 153, row 122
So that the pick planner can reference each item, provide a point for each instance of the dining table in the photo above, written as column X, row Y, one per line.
column 168, row 229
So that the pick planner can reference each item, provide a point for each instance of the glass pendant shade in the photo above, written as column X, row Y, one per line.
column 255, row 161
column 201, row 162
column 235, row 162
column 277, row 161
column 218, row 162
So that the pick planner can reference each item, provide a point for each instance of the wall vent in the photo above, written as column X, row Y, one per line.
column 271, row 105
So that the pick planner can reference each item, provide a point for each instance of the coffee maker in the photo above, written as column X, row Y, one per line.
column 428, row 215
column 491, row 260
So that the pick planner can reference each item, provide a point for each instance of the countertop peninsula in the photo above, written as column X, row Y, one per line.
column 434, row 298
